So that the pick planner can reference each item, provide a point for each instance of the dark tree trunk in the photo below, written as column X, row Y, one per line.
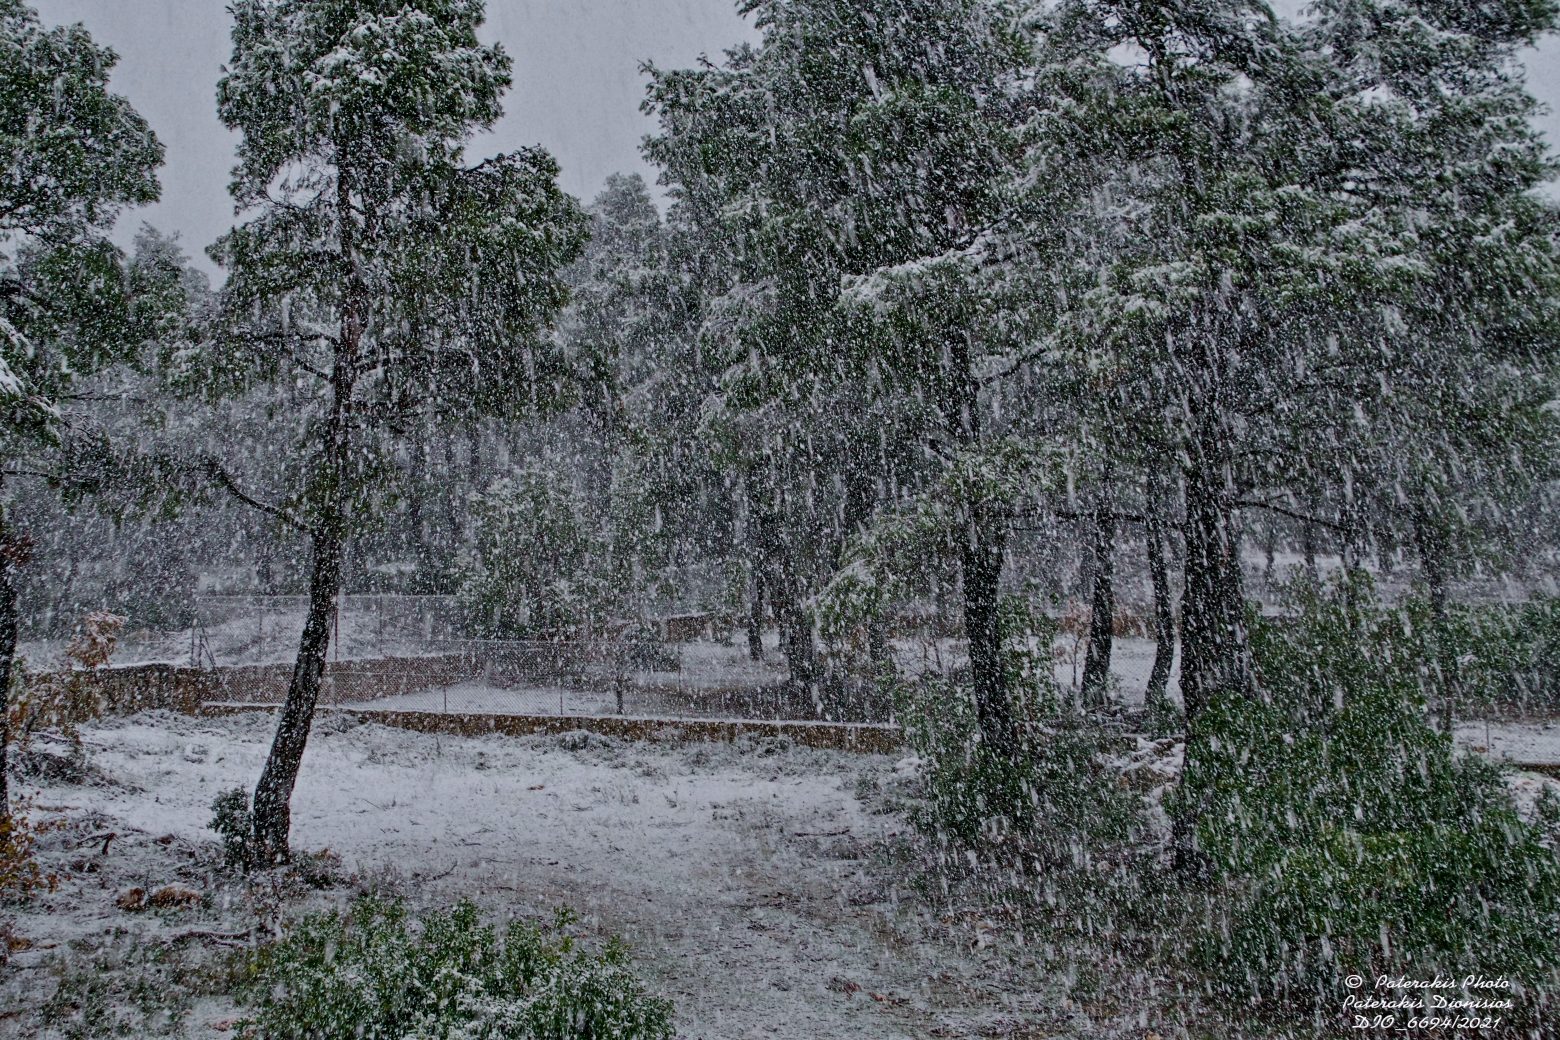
column 796, row 635
column 1308, row 547
column 273, row 793
column 980, row 565
column 755, row 618
column 416, row 534
column 984, row 546
column 877, row 643
column 1157, row 692
column 13, row 552
column 452, row 497
column 1214, row 654
column 1433, row 552
column 861, row 497
column 781, row 584
column 1102, row 606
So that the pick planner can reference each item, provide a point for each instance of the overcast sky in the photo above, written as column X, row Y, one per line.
column 577, row 85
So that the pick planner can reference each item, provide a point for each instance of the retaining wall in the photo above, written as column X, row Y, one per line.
column 78, row 696
column 860, row 737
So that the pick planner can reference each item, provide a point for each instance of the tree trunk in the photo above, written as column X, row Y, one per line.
column 1215, row 656
column 981, row 564
column 1102, row 606
column 755, row 619
column 273, row 793
column 877, row 643
column 1214, row 653
column 1433, row 551
column 1157, row 693
column 781, row 583
column 861, row 496
column 796, row 635
column 1308, row 547
column 13, row 551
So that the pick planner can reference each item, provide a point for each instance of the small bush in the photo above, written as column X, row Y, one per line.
column 20, row 873
column 1051, row 804
column 373, row 974
column 131, row 989
column 233, row 821
column 1508, row 656
column 1348, row 836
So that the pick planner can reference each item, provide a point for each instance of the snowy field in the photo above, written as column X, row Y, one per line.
column 1536, row 742
column 745, row 877
column 756, row 882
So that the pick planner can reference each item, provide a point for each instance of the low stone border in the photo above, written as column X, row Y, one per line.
column 866, row 738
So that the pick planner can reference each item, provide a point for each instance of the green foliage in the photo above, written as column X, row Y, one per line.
column 1053, row 804
column 373, row 974
column 371, row 248
column 233, row 821
column 133, row 990
column 531, row 574
column 72, row 154
column 1487, row 655
column 1504, row 655
column 1347, row 835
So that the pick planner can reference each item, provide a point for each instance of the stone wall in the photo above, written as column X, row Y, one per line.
column 77, row 696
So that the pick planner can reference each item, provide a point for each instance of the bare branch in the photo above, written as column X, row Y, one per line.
column 1274, row 507
column 214, row 468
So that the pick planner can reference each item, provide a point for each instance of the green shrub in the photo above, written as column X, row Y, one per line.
column 371, row 973
column 1347, row 836
column 233, row 821
column 1053, row 803
column 131, row 989
column 1508, row 655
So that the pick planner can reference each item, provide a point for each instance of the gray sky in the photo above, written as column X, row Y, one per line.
column 577, row 85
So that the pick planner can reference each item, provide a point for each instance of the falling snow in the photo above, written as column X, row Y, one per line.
column 1032, row 519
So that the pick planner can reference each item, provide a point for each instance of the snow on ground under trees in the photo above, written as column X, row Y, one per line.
column 747, row 878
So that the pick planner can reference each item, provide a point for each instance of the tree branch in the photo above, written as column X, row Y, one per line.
column 214, row 468
column 1273, row 507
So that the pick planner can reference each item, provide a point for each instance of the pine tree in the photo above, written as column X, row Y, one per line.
column 72, row 155
column 1462, row 432
column 850, row 150
column 377, row 266
column 1253, row 305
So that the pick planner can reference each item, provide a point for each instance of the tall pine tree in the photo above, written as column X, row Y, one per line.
column 377, row 266
column 72, row 155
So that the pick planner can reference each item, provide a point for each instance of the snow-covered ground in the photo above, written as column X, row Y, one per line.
column 1534, row 742
column 744, row 876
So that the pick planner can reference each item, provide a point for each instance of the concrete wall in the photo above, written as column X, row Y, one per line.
column 864, row 738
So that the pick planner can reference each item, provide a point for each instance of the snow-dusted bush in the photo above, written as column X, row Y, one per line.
column 1054, row 802
column 1505, row 655
column 1349, row 837
column 372, row 973
column 233, row 820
